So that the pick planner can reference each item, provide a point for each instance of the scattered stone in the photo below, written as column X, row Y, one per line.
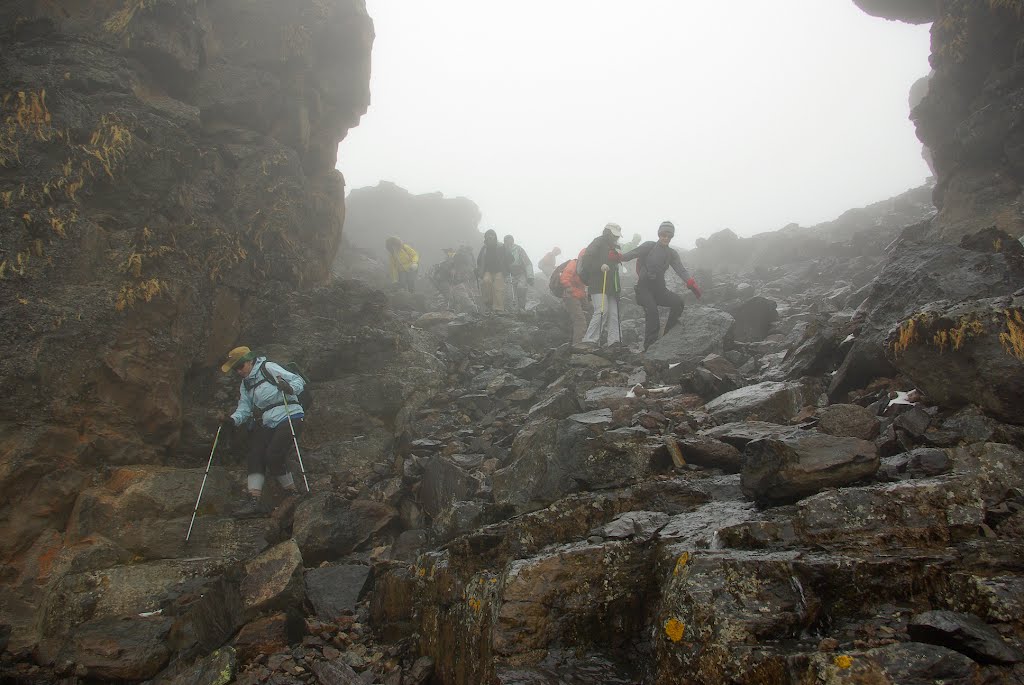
column 848, row 420
column 769, row 401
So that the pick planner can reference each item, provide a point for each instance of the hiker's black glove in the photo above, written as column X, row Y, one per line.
column 529, row 281
column 284, row 387
column 227, row 424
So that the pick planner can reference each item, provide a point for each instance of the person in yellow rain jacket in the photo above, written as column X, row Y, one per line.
column 405, row 262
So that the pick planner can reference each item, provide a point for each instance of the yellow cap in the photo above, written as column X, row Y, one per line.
column 235, row 356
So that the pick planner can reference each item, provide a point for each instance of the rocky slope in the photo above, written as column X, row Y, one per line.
column 816, row 478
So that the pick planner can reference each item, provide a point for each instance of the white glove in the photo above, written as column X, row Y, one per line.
column 604, row 268
column 414, row 267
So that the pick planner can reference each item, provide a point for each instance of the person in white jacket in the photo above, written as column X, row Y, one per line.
column 262, row 392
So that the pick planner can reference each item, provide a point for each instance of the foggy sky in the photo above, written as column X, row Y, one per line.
column 557, row 116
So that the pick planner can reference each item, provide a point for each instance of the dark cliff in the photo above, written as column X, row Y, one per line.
column 163, row 163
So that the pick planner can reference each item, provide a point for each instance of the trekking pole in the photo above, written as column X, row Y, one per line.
column 203, row 486
column 512, row 289
column 295, row 440
column 451, row 287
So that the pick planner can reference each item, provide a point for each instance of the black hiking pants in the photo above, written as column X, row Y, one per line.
column 269, row 448
column 650, row 295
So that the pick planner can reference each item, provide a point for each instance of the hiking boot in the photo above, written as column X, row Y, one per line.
column 250, row 508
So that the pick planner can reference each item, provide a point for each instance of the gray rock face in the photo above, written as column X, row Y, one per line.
column 848, row 420
column 769, row 401
column 443, row 483
column 701, row 331
column 121, row 649
column 786, row 468
column 966, row 634
column 915, row 663
column 334, row 590
column 558, row 406
column 711, row 453
column 326, row 527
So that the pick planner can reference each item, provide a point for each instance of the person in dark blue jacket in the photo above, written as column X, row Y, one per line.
column 262, row 392
column 653, row 260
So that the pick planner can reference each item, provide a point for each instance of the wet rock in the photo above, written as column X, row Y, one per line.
column 915, row 663
column 964, row 633
column 964, row 353
column 334, row 589
column 267, row 635
column 605, row 397
column 328, row 527
column 711, row 453
column 996, row 468
column 120, row 649
column 596, row 417
column 739, row 433
column 443, row 483
column 273, row 580
column 704, row 330
column 638, row 525
column 923, row 462
column 218, row 668
column 769, row 401
column 551, row 459
column 848, row 420
column 409, row 544
column 335, row 673
column 558, row 406
column 543, row 599
column 754, row 319
column 789, row 467
column 918, row 513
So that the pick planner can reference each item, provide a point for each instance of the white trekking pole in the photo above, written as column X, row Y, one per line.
column 203, row 486
column 295, row 440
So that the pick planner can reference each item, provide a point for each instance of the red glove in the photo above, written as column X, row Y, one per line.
column 614, row 256
column 692, row 285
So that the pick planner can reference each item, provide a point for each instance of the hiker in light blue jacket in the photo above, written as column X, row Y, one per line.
column 261, row 404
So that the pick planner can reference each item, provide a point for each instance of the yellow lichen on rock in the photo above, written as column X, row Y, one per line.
column 681, row 562
column 1013, row 339
column 907, row 334
column 674, row 629
column 843, row 661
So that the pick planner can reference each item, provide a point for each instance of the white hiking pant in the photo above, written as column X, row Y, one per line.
column 611, row 319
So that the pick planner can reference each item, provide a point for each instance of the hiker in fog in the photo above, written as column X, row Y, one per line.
column 453, row 277
column 565, row 283
column 493, row 262
column 598, row 268
column 548, row 261
column 261, row 407
column 653, row 260
column 521, row 272
column 404, row 263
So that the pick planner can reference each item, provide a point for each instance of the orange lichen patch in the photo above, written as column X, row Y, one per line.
column 1013, row 339
column 132, row 294
column 674, row 629
column 681, row 562
column 956, row 336
column 474, row 604
column 843, row 661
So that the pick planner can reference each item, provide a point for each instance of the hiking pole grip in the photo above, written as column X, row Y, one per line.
column 203, row 486
column 295, row 440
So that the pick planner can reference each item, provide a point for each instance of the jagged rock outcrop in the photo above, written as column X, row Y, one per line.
column 970, row 118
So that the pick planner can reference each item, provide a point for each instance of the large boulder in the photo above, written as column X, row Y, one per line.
column 273, row 580
column 965, row 633
column 788, row 467
column 919, row 273
column 969, row 353
column 702, row 331
column 754, row 319
column 121, row 649
column 770, row 401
